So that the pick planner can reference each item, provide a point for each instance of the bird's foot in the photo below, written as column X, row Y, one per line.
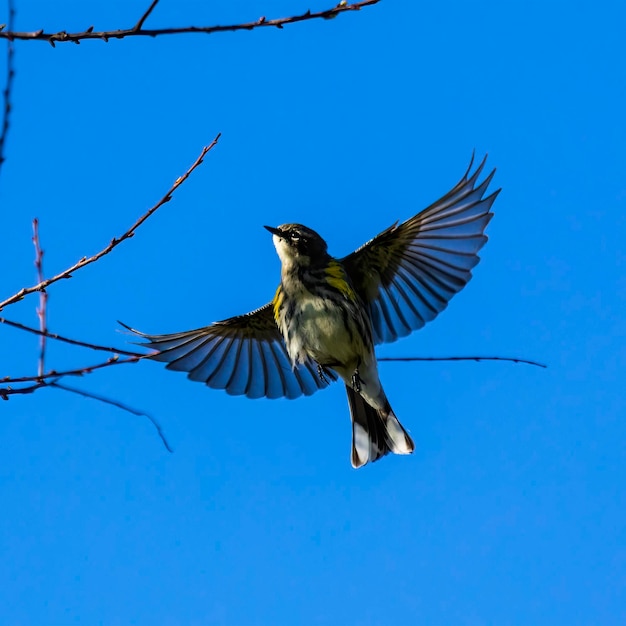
column 356, row 381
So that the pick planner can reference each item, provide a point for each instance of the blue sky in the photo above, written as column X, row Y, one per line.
column 512, row 508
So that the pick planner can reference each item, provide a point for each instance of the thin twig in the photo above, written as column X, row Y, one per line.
column 5, row 392
column 144, row 17
column 119, row 405
column 462, row 358
column 115, row 241
column 81, row 371
column 6, row 115
column 74, row 342
column 43, row 299
column 262, row 22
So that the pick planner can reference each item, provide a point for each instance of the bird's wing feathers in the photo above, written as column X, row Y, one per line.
column 408, row 273
column 245, row 355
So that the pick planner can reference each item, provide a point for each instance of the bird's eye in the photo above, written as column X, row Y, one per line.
column 295, row 237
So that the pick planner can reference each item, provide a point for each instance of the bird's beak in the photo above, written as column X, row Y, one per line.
column 274, row 231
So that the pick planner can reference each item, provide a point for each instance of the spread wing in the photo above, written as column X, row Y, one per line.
column 245, row 355
column 408, row 273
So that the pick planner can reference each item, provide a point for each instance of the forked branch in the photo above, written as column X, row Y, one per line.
column 139, row 31
column 21, row 385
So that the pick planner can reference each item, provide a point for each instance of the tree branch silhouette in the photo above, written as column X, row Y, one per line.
column 139, row 31
column 115, row 241
column 5, row 392
column 6, row 94
column 74, row 342
column 477, row 359
column 52, row 378
column 119, row 405
column 79, row 371
column 24, row 385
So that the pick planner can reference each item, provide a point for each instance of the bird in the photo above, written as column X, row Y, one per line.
column 328, row 314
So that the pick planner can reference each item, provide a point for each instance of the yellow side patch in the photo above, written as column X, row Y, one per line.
column 278, row 302
column 336, row 277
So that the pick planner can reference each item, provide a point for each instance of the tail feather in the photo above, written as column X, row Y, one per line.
column 375, row 432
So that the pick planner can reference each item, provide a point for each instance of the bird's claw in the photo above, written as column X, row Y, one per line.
column 356, row 381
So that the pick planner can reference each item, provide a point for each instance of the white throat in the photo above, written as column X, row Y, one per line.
column 286, row 255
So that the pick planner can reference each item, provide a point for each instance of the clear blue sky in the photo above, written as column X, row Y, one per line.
column 512, row 509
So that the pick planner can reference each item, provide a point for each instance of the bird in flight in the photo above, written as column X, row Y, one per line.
column 328, row 314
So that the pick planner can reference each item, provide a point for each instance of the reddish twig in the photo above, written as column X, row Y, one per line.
column 115, row 241
column 6, row 115
column 43, row 298
column 138, row 31
column 462, row 358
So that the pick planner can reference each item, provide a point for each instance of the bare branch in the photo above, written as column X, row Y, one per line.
column 43, row 379
column 115, row 241
column 52, row 378
column 119, row 405
column 81, row 371
column 5, row 392
column 74, row 342
column 144, row 17
column 43, row 298
column 477, row 359
column 6, row 115
column 138, row 31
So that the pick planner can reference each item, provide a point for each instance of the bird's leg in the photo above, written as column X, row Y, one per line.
column 321, row 372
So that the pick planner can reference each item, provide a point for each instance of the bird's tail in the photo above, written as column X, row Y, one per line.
column 375, row 432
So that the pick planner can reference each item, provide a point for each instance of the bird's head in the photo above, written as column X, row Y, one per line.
column 298, row 245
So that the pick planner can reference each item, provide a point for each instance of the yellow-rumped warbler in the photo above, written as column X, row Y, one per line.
column 328, row 314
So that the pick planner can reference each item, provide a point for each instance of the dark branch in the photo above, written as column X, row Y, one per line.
column 114, row 242
column 5, row 392
column 138, row 31
column 74, row 342
column 52, row 378
column 462, row 358
column 6, row 115
column 119, row 405
column 144, row 17
column 80, row 371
